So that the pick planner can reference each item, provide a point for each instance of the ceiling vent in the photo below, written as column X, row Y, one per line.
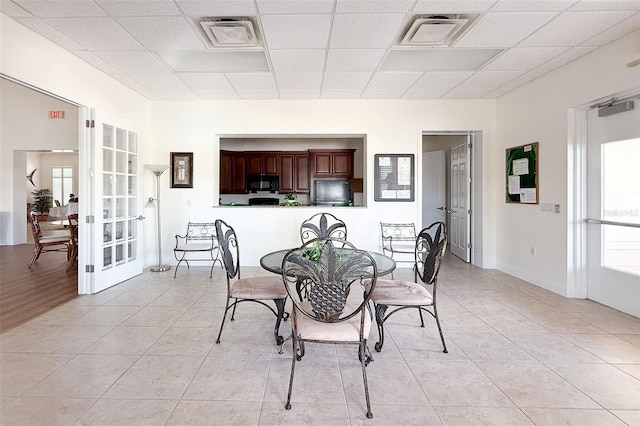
column 435, row 30
column 230, row 32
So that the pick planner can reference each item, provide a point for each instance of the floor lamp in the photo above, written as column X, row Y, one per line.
column 157, row 170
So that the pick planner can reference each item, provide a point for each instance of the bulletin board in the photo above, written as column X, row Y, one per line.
column 393, row 178
column 522, row 174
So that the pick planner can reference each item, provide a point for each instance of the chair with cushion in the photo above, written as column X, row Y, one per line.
column 398, row 238
column 73, row 241
column 46, row 243
column 199, row 243
column 255, row 289
column 430, row 246
column 323, row 225
column 335, row 309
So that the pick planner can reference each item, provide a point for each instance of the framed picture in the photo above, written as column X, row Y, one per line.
column 182, row 169
column 522, row 174
column 393, row 179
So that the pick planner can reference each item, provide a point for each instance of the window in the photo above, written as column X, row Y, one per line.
column 62, row 184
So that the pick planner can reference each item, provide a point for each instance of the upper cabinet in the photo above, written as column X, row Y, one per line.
column 294, row 172
column 262, row 163
column 232, row 172
column 332, row 163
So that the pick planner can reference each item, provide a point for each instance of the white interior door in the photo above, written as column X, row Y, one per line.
column 613, row 208
column 460, row 223
column 434, row 188
column 117, row 203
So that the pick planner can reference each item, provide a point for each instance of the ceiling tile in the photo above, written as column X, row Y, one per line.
column 532, row 5
column 159, row 82
column 95, row 33
column 99, row 63
column 572, row 28
column 523, row 59
column 177, row 95
column 134, row 85
column 205, row 81
column 503, row 29
column 258, row 94
column 47, row 31
column 465, row 93
column 308, row 60
column 615, row 32
column 217, row 94
column 523, row 79
column 346, row 80
column 565, row 58
column 295, row 81
column 52, row 8
column 365, row 31
column 296, row 31
column 393, row 80
column 488, row 79
column 440, row 80
column 215, row 61
column 299, row 93
column 252, row 81
column 607, row 5
column 295, row 6
column 353, row 59
column 373, row 6
column 139, row 8
column 382, row 94
column 134, row 62
column 437, row 59
column 217, row 8
column 13, row 10
column 448, row 6
column 423, row 93
column 163, row 33
column 340, row 94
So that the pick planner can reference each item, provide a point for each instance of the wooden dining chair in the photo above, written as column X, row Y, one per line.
column 46, row 243
column 73, row 241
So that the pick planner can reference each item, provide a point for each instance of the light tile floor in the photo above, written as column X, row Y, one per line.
column 143, row 352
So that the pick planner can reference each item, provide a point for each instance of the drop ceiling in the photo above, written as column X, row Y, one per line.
column 327, row 49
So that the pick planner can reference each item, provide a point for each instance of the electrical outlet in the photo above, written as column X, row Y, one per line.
column 533, row 251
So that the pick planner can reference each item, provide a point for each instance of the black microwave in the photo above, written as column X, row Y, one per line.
column 257, row 183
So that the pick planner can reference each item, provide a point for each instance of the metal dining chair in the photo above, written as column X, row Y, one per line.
column 323, row 225
column 335, row 309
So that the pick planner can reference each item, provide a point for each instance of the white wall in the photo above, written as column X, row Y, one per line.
column 390, row 126
column 538, row 112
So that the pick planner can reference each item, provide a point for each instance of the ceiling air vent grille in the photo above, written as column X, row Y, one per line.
column 230, row 32
column 434, row 30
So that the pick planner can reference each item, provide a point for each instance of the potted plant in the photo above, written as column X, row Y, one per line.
column 42, row 201
column 290, row 200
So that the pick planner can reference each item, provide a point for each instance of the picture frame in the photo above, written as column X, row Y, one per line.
column 181, row 170
column 394, row 177
column 521, row 172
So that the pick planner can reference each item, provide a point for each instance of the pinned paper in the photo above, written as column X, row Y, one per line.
column 521, row 166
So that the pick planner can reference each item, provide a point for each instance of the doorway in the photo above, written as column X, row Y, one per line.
column 448, row 191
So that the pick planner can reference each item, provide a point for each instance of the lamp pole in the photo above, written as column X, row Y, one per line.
column 158, row 170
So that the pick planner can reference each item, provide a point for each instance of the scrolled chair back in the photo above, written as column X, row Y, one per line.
column 229, row 248
column 323, row 225
column 329, row 272
column 431, row 244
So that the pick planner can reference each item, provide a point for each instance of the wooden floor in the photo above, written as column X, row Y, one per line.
column 28, row 292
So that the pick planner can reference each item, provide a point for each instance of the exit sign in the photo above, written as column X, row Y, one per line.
column 56, row 114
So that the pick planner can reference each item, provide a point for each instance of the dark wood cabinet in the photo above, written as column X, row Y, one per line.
column 232, row 173
column 327, row 163
column 294, row 173
column 262, row 163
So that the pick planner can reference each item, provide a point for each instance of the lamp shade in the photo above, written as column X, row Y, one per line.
column 157, row 168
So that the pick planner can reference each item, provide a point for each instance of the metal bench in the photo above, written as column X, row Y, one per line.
column 199, row 240
column 399, row 238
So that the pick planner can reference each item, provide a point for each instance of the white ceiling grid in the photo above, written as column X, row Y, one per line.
column 326, row 49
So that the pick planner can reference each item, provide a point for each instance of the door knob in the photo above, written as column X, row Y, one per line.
column 439, row 208
column 140, row 217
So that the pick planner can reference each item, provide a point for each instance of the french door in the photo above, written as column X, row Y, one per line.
column 116, row 190
column 613, row 206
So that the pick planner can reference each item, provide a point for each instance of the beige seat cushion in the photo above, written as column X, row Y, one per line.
column 400, row 293
column 259, row 288
column 346, row 331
